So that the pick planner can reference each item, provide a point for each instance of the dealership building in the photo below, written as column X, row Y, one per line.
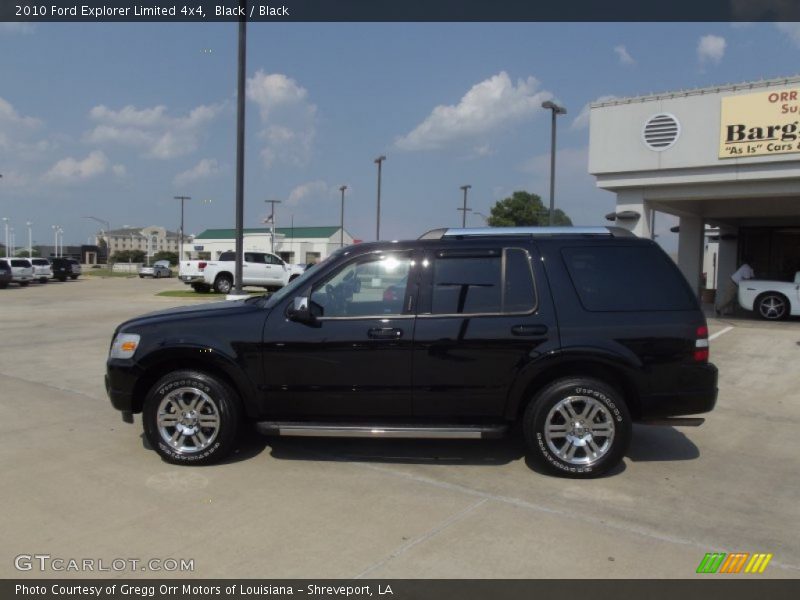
column 725, row 157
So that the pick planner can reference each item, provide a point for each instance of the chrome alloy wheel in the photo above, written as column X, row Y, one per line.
column 772, row 307
column 579, row 430
column 188, row 420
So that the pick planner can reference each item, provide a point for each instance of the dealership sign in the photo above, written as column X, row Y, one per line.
column 760, row 124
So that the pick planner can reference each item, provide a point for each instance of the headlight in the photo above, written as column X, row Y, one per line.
column 124, row 345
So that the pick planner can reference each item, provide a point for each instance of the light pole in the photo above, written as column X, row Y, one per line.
column 464, row 209
column 482, row 216
column 180, row 234
column 555, row 111
column 241, row 76
column 5, row 222
column 60, row 234
column 341, row 222
column 13, row 241
column 30, row 240
column 379, row 161
column 272, row 221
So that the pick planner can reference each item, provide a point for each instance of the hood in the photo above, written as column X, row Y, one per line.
column 194, row 312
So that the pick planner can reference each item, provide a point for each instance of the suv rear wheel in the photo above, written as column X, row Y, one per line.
column 191, row 417
column 577, row 427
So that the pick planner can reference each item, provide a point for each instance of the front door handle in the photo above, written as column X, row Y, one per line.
column 529, row 330
column 385, row 333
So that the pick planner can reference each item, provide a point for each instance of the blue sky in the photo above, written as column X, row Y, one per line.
column 113, row 120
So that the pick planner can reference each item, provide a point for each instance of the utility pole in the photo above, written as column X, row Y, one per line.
column 30, row 240
column 341, row 222
column 240, row 107
column 379, row 161
column 272, row 220
column 556, row 110
column 180, row 234
column 464, row 209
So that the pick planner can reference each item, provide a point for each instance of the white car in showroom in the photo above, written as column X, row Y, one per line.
column 771, row 300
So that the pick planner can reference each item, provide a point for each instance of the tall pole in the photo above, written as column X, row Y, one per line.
column 555, row 110
column 30, row 241
column 240, row 97
column 272, row 221
column 55, row 240
column 341, row 221
column 5, row 221
column 379, row 162
column 180, row 233
column 464, row 209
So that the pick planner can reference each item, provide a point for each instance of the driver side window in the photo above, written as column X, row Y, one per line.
column 372, row 285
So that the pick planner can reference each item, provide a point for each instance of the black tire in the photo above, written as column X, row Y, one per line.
column 141, row 276
column 772, row 306
column 61, row 279
column 201, row 288
column 73, row 277
column 293, row 277
column 218, row 399
column 43, row 280
column 223, row 283
column 609, row 429
column 24, row 283
column 3, row 286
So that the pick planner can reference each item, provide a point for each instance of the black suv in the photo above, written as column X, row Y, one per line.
column 574, row 333
column 64, row 268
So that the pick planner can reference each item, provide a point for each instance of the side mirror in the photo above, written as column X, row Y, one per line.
column 300, row 312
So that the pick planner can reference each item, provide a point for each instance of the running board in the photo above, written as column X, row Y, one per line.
column 293, row 428
column 676, row 421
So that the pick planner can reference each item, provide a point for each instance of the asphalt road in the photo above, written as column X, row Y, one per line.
column 80, row 484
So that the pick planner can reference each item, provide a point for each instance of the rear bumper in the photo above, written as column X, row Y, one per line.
column 192, row 278
column 700, row 398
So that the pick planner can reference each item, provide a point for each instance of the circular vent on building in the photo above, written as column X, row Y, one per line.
column 661, row 131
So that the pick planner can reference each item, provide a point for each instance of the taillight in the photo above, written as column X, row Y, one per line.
column 202, row 265
column 701, row 344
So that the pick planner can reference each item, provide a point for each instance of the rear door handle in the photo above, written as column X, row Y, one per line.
column 529, row 330
column 385, row 333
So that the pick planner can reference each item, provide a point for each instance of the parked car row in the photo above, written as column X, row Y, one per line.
column 23, row 271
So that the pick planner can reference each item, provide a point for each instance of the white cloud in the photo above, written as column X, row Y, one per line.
column 490, row 105
column 208, row 167
column 158, row 134
column 9, row 117
column 711, row 49
column 582, row 120
column 624, row 56
column 791, row 31
column 71, row 170
column 312, row 190
column 287, row 115
column 119, row 170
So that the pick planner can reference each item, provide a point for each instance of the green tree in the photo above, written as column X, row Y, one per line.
column 24, row 253
column 524, row 209
column 172, row 257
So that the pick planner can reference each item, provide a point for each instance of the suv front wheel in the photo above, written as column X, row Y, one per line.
column 191, row 418
column 577, row 427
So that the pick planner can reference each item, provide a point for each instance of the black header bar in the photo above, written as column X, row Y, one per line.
column 399, row 10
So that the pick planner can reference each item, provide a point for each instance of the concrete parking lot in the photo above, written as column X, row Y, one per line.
column 78, row 483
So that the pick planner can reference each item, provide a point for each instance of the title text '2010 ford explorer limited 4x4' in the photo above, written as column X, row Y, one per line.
column 574, row 333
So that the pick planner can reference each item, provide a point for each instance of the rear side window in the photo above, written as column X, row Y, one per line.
column 481, row 284
column 20, row 263
column 627, row 278
column 40, row 262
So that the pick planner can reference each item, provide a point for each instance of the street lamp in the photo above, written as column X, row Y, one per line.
column 55, row 239
column 464, row 209
column 5, row 222
column 379, row 161
column 180, row 238
column 555, row 110
column 30, row 240
column 13, row 241
column 272, row 221
column 341, row 224
column 482, row 216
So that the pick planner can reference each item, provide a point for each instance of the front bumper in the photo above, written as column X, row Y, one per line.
column 120, row 381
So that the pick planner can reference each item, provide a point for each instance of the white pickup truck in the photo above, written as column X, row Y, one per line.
column 260, row 269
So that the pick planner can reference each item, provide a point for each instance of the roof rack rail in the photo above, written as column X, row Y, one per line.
column 442, row 233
